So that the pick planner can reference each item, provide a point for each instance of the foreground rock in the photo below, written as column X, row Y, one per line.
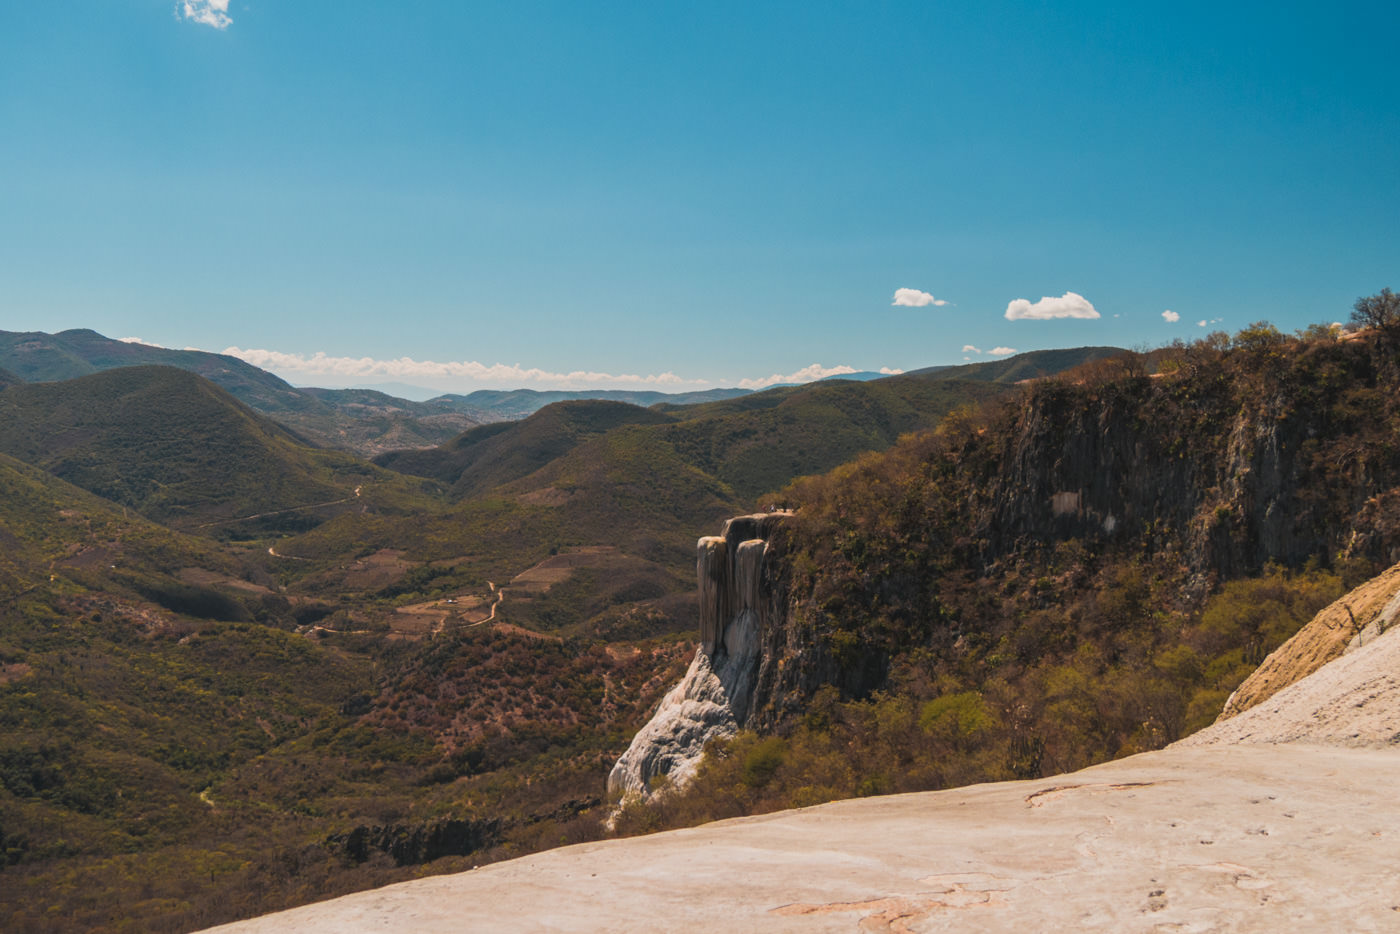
column 1348, row 623
column 1351, row 701
column 1296, row 829
column 1241, row 838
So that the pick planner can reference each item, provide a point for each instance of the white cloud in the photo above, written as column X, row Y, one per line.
column 1170, row 316
column 1001, row 351
column 808, row 374
column 1069, row 305
column 1201, row 323
column 913, row 298
column 452, row 376
column 406, row 368
column 136, row 340
column 968, row 348
column 206, row 12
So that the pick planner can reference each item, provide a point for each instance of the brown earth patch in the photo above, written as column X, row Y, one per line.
column 546, row 496
column 527, row 633
column 206, row 578
column 376, row 571
column 447, row 606
column 557, row 568
column 13, row 672
column 91, row 556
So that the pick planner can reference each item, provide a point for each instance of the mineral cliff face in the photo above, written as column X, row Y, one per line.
column 740, row 603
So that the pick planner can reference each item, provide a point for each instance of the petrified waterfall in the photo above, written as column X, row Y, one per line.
column 712, row 700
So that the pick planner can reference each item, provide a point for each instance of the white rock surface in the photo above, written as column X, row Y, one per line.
column 1353, row 700
column 1216, row 838
column 1289, row 823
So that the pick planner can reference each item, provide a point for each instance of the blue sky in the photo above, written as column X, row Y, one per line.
column 663, row 195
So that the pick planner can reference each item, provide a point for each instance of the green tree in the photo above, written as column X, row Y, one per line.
column 1380, row 311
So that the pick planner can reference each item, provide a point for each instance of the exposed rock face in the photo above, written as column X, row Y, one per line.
column 1231, row 479
column 421, row 843
column 1357, row 618
column 740, row 603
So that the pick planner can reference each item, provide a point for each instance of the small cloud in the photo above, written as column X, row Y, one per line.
column 1069, row 305
column 1001, row 351
column 890, row 371
column 1201, row 323
column 206, row 12
column 137, row 340
column 968, row 348
column 1170, row 316
column 913, row 298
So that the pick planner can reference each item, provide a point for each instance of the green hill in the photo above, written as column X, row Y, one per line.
column 175, row 447
column 362, row 422
column 605, row 474
column 497, row 404
column 57, row 538
column 125, row 690
column 758, row 443
column 1034, row 364
column 493, row 455
column 753, row 443
column 39, row 357
column 368, row 422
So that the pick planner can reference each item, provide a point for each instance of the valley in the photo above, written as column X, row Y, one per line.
column 689, row 467
column 241, row 671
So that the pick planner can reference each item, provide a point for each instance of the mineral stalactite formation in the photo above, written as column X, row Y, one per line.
column 716, row 695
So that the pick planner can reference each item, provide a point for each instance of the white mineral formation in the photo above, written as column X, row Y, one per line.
column 712, row 700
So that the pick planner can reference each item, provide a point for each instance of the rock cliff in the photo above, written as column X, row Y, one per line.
column 948, row 548
column 1232, row 479
column 741, row 610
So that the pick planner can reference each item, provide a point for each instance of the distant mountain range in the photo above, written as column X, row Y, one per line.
column 362, row 421
column 369, row 422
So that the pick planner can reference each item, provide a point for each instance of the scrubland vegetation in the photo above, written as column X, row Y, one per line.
column 194, row 728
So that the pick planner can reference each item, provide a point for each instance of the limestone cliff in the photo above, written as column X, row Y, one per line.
column 739, row 605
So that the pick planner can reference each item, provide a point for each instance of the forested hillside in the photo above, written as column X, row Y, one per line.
column 1011, row 580
column 1079, row 572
